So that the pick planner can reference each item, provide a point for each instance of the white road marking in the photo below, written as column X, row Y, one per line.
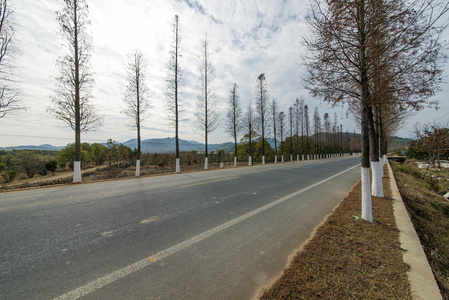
column 116, row 275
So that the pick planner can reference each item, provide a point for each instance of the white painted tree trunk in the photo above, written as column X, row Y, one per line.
column 275, row 159
column 263, row 159
column 377, row 188
column 367, row 213
column 137, row 167
column 385, row 159
column 76, row 172
column 291, row 157
column 282, row 158
column 297, row 157
column 381, row 161
column 235, row 161
column 205, row 163
column 308, row 157
column 178, row 168
column 250, row 162
column 303, row 157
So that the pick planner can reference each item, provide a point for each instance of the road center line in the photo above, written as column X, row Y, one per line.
column 116, row 275
column 199, row 183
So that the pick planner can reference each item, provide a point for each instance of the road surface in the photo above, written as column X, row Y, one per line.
column 221, row 234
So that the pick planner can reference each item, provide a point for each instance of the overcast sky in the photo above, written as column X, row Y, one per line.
column 246, row 38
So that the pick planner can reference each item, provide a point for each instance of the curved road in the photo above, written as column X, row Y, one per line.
column 222, row 234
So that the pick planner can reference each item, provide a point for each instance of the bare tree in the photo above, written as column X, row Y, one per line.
column 173, row 82
column 71, row 103
column 206, row 114
column 301, row 105
column 262, row 105
column 281, row 121
column 355, row 42
column 290, row 120
column 274, row 109
column 297, row 112
column 136, row 100
column 250, row 126
column 8, row 95
column 306, row 128
column 234, row 118
column 317, row 129
column 326, row 130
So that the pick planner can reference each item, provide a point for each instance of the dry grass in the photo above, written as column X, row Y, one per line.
column 430, row 216
column 349, row 258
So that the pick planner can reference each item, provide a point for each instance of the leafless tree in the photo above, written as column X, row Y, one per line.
column 206, row 114
column 173, row 80
column 301, row 105
column 274, row 112
column 290, row 120
column 326, row 130
column 234, row 118
column 8, row 94
column 136, row 99
column 73, row 86
column 355, row 42
column 306, row 127
column 249, row 124
column 262, row 105
column 297, row 112
column 281, row 121
column 317, row 129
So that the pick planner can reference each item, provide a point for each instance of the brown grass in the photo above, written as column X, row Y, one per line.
column 349, row 258
column 430, row 216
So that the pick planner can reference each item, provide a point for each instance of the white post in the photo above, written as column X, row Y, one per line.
column 366, row 196
column 76, row 171
column 235, row 161
column 205, row 163
column 250, row 162
column 138, row 168
column 276, row 159
column 263, row 159
column 178, row 168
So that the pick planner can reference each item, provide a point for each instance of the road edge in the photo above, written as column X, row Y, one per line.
column 422, row 282
column 260, row 291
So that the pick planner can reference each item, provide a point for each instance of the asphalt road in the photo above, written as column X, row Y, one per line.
column 222, row 234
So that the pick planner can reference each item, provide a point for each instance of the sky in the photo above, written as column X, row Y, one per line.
column 246, row 38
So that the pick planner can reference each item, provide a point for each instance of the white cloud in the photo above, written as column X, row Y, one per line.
column 246, row 38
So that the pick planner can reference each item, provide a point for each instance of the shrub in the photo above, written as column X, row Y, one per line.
column 10, row 175
column 51, row 166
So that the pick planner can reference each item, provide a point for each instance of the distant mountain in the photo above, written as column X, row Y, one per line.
column 165, row 145
column 30, row 147
column 169, row 145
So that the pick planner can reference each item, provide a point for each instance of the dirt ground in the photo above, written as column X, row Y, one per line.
column 349, row 258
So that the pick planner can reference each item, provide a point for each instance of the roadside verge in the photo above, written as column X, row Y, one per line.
column 422, row 281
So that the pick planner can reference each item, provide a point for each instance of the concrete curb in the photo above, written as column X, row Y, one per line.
column 420, row 276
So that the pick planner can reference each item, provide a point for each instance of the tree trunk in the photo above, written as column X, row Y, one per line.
column 365, row 163
column 178, row 168
column 376, row 185
column 77, row 158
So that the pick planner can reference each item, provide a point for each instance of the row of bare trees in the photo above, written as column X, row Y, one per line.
column 8, row 94
column 383, row 59
column 266, row 120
